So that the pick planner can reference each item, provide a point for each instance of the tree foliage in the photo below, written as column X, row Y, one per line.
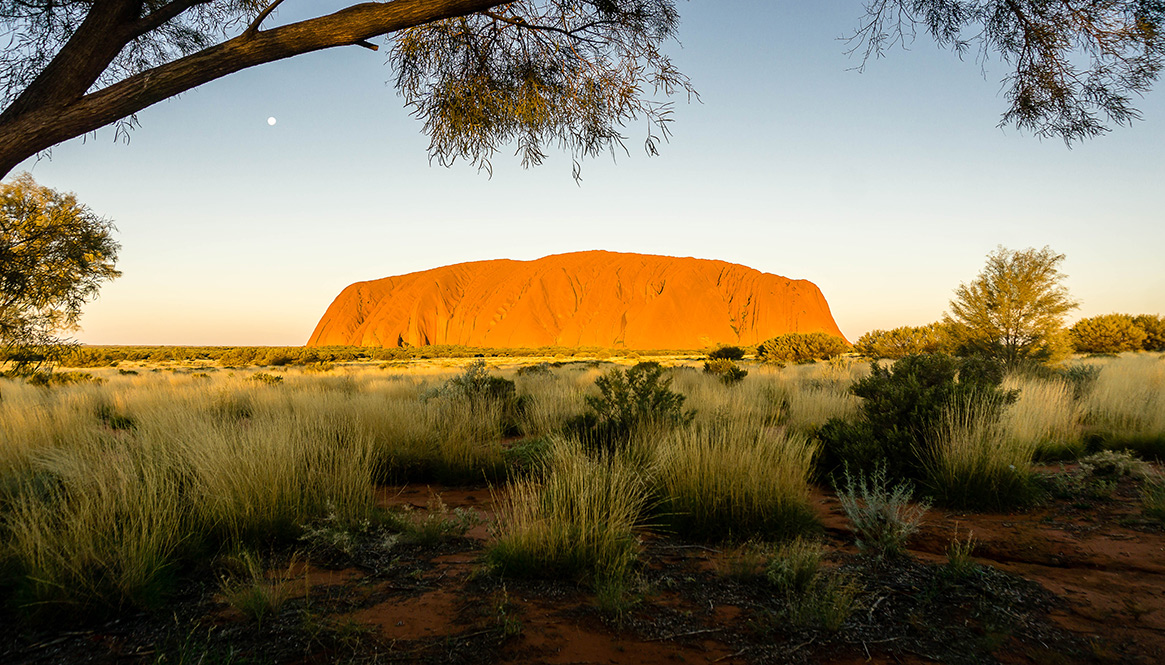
column 539, row 74
column 801, row 347
column 1014, row 310
column 906, row 340
column 1154, row 327
column 1076, row 65
column 54, row 255
column 1107, row 333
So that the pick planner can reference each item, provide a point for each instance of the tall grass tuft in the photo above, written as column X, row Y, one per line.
column 1046, row 415
column 1126, row 406
column 716, row 480
column 970, row 461
column 575, row 522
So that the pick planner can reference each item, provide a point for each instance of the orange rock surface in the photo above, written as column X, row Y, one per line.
column 595, row 298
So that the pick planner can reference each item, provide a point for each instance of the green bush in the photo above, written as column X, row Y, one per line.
column 801, row 347
column 1154, row 327
column 628, row 401
column 725, row 370
column 902, row 404
column 727, row 353
column 1107, row 333
column 476, row 384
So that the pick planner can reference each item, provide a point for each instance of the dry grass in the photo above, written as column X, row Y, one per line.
column 1126, row 406
column 973, row 463
column 1046, row 415
column 575, row 522
column 735, row 478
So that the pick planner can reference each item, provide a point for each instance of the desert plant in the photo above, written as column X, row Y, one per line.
column 1154, row 327
column 1115, row 464
column 905, row 341
column 724, row 369
column 574, row 522
column 716, row 480
column 970, row 462
column 882, row 516
column 828, row 601
column 436, row 525
column 246, row 586
column 801, row 347
column 960, row 562
column 902, row 404
column 726, row 353
column 1107, row 333
column 1153, row 498
column 629, row 401
column 794, row 566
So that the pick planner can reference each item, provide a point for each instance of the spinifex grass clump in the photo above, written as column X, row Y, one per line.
column 94, row 528
column 1046, row 415
column 882, row 515
column 575, row 522
column 971, row 462
column 716, row 480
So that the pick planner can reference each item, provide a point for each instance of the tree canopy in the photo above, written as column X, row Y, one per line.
column 1014, row 310
column 54, row 255
column 540, row 74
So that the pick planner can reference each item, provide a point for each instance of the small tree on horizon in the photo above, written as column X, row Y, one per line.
column 1014, row 310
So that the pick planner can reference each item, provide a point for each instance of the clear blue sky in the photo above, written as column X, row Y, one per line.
column 886, row 188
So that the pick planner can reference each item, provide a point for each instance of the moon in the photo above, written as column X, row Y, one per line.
column 271, row 120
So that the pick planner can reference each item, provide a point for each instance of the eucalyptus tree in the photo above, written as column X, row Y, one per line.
column 537, row 74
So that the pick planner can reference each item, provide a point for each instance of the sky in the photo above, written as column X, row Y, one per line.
column 886, row 187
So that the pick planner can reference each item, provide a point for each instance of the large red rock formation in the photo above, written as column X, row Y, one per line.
column 594, row 298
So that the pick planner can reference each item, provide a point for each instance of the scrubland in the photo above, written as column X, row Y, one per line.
column 118, row 491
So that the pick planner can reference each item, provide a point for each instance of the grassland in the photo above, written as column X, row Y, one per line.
column 123, row 490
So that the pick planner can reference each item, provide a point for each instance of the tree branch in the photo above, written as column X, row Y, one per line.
column 28, row 129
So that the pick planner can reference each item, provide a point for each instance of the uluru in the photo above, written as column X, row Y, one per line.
column 593, row 298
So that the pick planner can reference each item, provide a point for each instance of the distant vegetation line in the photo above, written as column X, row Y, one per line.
column 268, row 356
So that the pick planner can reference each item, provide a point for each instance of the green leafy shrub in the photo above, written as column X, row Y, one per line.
column 726, row 353
column 801, row 347
column 269, row 379
column 1115, row 464
column 725, row 370
column 47, row 379
column 881, row 514
column 902, row 405
column 628, row 401
column 1107, row 333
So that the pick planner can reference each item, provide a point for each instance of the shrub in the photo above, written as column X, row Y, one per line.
column 882, row 516
column 725, row 370
column 482, row 391
column 902, row 405
column 436, row 525
column 1154, row 327
column 726, row 353
column 1115, row 463
column 629, row 401
column 1107, row 333
column 905, row 341
column 269, row 379
column 972, row 463
column 801, row 347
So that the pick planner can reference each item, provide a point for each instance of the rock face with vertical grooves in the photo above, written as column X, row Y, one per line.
column 595, row 298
